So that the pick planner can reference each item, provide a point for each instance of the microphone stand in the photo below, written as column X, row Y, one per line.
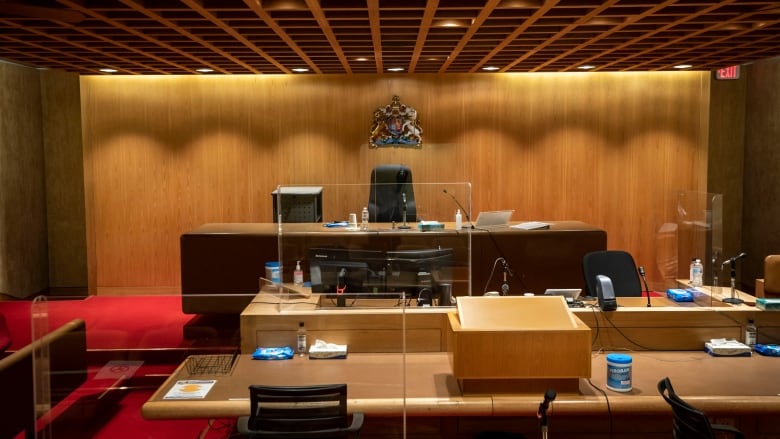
column 549, row 396
column 505, row 285
column 403, row 211
column 734, row 300
column 644, row 280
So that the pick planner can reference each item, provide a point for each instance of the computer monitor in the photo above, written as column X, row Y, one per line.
column 345, row 271
column 415, row 269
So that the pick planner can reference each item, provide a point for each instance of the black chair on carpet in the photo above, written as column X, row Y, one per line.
column 391, row 185
column 690, row 422
column 618, row 265
column 299, row 412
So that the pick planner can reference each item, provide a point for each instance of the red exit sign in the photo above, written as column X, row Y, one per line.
column 731, row 72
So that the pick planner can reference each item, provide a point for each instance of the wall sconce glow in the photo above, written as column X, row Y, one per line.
column 395, row 69
column 490, row 68
column 683, row 66
column 205, row 70
column 107, row 70
column 586, row 67
column 300, row 70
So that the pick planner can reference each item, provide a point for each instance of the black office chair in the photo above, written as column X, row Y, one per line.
column 390, row 186
column 690, row 422
column 299, row 412
column 618, row 265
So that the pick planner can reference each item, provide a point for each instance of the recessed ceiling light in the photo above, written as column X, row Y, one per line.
column 450, row 23
column 395, row 69
column 605, row 21
column 300, row 69
column 107, row 70
column 205, row 70
column 683, row 66
column 490, row 68
column 283, row 5
column 520, row 4
column 586, row 67
column 361, row 59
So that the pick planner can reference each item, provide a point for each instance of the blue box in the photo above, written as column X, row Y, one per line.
column 679, row 295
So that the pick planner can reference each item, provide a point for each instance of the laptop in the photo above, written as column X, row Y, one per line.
column 493, row 218
column 570, row 294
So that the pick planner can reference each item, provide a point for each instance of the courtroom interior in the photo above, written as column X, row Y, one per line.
column 474, row 215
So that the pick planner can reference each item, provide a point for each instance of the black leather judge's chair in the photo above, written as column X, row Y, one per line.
column 618, row 265
column 390, row 184
column 690, row 422
column 299, row 412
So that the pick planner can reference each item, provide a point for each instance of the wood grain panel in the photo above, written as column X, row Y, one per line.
column 23, row 244
column 166, row 154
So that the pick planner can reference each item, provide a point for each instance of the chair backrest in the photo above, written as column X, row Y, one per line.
column 389, row 185
column 618, row 265
column 689, row 422
column 772, row 275
column 279, row 409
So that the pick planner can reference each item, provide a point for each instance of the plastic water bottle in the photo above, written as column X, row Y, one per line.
column 750, row 333
column 364, row 220
column 697, row 273
column 301, row 339
column 458, row 220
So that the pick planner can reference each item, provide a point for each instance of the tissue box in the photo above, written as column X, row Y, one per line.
column 679, row 295
column 719, row 347
column 429, row 225
column 768, row 304
column 327, row 351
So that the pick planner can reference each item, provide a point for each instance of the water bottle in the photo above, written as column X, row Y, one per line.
column 697, row 273
column 750, row 333
column 458, row 220
column 301, row 339
column 364, row 220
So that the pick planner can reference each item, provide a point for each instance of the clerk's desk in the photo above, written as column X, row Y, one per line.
column 221, row 262
column 733, row 386
column 664, row 340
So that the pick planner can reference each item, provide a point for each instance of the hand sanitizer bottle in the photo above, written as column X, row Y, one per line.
column 458, row 220
column 298, row 274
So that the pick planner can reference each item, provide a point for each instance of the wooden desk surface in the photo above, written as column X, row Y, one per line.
column 380, row 383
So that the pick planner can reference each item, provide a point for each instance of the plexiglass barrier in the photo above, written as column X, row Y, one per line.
column 370, row 284
column 694, row 231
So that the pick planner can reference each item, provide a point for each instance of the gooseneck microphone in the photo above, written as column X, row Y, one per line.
column 462, row 209
column 644, row 280
column 734, row 259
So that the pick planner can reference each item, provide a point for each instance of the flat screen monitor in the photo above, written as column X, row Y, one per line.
column 418, row 268
column 347, row 271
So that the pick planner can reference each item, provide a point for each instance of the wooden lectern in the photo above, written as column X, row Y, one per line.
column 518, row 344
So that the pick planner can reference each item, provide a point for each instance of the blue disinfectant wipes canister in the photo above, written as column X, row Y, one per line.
column 272, row 272
column 619, row 372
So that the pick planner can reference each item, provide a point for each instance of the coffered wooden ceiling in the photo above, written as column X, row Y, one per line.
column 371, row 36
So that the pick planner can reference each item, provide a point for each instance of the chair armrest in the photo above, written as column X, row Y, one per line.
column 357, row 422
column 728, row 429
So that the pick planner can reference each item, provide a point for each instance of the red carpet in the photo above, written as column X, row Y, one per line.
column 113, row 322
column 108, row 404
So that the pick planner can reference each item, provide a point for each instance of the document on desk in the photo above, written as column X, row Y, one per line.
column 190, row 389
column 531, row 225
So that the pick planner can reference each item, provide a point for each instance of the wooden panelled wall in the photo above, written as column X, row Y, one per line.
column 164, row 154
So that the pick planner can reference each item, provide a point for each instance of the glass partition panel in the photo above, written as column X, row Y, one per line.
column 373, row 281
